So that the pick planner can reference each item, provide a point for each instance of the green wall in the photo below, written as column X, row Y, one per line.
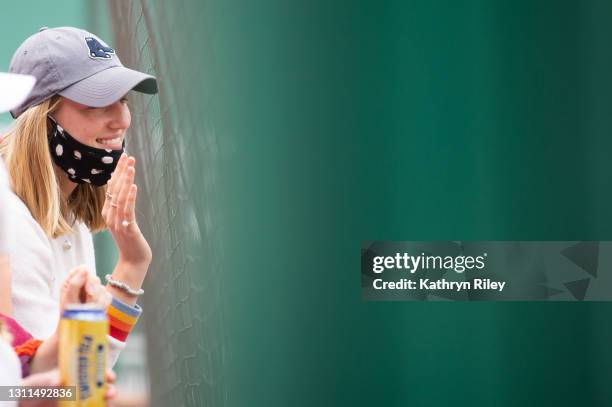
column 287, row 132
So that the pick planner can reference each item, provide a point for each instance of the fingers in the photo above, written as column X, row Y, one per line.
column 112, row 183
column 126, row 184
column 110, row 395
column 73, row 286
column 111, row 390
column 118, row 192
column 119, row 215
column 83, row 287
column 129, row 209
column 90, row 287
column 111, row 376
column 111, row 186
column 97, row 293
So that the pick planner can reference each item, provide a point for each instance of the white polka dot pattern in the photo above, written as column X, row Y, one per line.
column 82, row 163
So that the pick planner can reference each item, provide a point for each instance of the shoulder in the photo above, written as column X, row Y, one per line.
column 21, row 222
column 28, row 246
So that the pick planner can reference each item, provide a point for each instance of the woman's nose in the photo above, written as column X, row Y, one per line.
column 120, row 118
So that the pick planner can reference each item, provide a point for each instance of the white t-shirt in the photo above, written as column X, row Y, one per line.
column 39, row 267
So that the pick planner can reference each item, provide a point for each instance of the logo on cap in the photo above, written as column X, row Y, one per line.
column 97, row 50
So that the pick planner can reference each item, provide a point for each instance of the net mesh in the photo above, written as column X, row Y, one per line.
column 176, row 152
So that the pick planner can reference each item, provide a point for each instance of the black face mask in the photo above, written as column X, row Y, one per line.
column 82, row 164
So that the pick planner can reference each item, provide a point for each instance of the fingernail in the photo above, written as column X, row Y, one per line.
column 90, row 288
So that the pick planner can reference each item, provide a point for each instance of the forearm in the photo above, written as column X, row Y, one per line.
column 45, row 357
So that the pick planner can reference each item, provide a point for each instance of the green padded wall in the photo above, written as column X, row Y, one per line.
column 286, row 132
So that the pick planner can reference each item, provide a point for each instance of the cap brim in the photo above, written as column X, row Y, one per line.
column 14, row 89
column 108, row 86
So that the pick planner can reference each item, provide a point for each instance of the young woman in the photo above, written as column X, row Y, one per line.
column 70, row 177
column 35, row 356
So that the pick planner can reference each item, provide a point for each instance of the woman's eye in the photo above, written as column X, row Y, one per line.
column 124, row 100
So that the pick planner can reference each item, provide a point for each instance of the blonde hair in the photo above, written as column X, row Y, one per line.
column 26, row 151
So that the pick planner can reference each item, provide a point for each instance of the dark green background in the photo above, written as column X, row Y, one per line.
column 292, row 131
column 410, row 121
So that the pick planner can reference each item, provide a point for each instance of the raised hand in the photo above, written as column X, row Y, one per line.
column 119, row 213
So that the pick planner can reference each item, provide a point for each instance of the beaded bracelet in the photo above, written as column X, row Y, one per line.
column 124, row 287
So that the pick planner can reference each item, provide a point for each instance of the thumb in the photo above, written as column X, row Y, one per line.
column 73, row 286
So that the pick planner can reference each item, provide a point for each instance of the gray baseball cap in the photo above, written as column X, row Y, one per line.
column 75, row 64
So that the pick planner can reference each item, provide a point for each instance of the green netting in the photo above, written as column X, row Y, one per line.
column 176, row 174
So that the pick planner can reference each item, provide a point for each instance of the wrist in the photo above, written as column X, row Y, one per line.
column 141, row 260
column 133, row 274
